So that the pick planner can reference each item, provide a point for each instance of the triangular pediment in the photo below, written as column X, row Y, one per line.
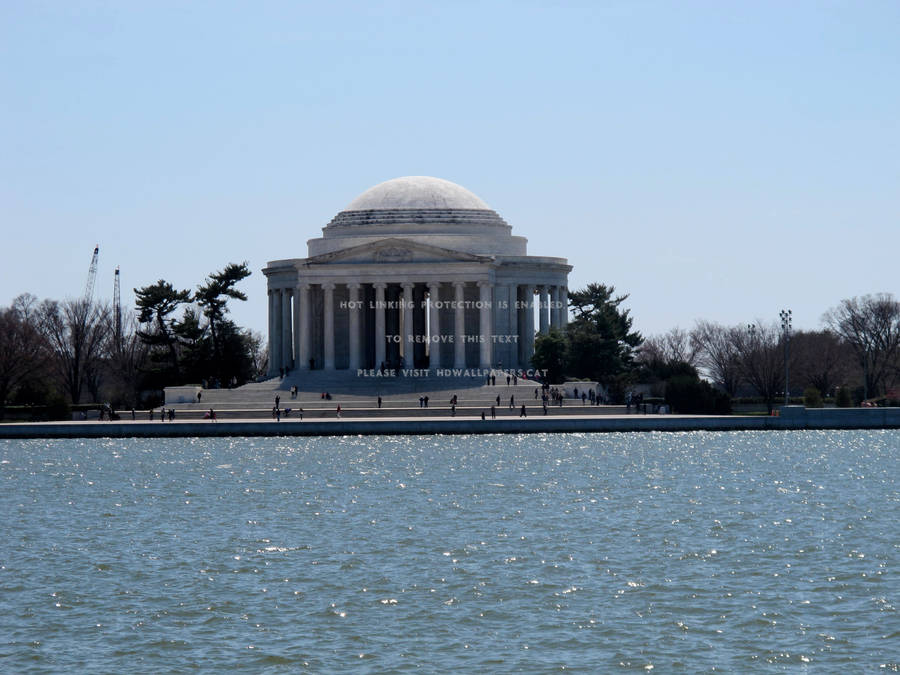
column 396, row 250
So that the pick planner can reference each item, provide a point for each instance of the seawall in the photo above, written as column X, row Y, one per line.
column 792, row 417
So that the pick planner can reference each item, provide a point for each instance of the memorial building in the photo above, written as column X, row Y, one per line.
column 416, row 272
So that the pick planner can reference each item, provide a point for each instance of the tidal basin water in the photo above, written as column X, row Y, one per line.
column 692, row 552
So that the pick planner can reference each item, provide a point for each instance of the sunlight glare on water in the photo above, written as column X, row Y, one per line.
column 588, row 552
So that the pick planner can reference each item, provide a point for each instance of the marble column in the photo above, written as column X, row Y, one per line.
column 512, row 351
column 459, row 352
column 434, row 326
column 564, row 310
column 273, row 369
column 287, row 356
column 485, row 325
column 544, row 310
column 277, row 354
column 529, row 325
column 328, row 323
column 408, row 332
column 379, row 323
column 295, row 331
column 554, row 306
column 304, row 341
column 355, row 309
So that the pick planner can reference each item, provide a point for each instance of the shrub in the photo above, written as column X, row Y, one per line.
column 58, row 408
column 843, row 399
column 691, row 395
column 812, row 398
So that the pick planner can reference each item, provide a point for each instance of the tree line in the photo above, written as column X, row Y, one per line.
column 853, row 357
column 58, row 353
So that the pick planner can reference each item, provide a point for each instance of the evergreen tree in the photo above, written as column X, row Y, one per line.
column 212, row 297
column 155, row 304
column 601, row 344
column 551, row 354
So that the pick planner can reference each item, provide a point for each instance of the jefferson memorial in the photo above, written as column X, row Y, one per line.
column 416, row 272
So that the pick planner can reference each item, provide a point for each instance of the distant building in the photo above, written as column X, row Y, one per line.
column 415, row 271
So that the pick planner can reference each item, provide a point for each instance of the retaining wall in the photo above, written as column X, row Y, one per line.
column 793, row 417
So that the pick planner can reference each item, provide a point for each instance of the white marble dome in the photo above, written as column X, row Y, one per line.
column 429, row 210
column 417, row 192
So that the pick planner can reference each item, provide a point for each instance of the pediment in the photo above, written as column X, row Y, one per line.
column 395, row 250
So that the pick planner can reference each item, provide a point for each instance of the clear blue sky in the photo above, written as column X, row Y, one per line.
column 716, row 160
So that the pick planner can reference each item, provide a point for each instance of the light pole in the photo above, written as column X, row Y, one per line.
column 785, row 315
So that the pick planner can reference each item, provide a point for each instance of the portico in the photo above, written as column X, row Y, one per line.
column 417, row 273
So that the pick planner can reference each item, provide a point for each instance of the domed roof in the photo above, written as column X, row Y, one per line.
column 417, row 192
column 428, row 210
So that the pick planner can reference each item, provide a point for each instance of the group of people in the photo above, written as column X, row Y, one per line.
column 106, row 412
column 590, row 395
column 511, row 379
column 277, row 411
column 164, row 414
column 168, row 414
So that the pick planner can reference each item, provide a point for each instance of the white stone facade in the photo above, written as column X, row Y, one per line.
column 416, row 272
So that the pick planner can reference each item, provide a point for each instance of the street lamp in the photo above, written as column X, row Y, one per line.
column 785, row 315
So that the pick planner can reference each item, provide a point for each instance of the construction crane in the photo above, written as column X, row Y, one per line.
column 117, row 310
column 92, row 275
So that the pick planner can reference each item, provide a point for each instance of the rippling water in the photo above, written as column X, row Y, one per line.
column 534, row 553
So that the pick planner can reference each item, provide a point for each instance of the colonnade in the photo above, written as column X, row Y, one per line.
column 390, row 324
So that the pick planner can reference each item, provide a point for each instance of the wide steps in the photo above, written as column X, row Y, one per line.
column 330, row 412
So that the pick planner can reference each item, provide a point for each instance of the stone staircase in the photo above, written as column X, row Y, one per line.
column 358, row 397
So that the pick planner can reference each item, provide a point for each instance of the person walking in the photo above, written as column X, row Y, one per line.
column 512, row 402
column 522, row 413
column 339, row 411
column 493, row 413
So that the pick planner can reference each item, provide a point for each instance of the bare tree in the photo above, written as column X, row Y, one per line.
column 871, row 326
column 759, row 348
column 22, row 347
column 717, row 354
column 76, row 331
column 259, row 353
column 124, row 362
column 675, row 346
column 821, row 360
